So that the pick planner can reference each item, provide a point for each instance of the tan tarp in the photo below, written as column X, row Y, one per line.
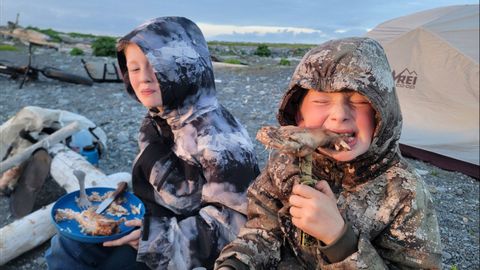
column 434, row 56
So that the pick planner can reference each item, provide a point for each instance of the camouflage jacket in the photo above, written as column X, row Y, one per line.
column 392, row 215
column 196, row 160
column 385, row 203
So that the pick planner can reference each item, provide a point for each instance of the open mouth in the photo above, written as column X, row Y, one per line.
column 343, row 142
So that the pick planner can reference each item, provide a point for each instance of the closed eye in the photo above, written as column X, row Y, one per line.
column 360, row 102
column 320, row 102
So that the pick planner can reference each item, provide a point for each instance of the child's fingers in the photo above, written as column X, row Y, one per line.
column 323, row 187
column 295, row 212
column 304, row 191
column 133, row 223
column 296, row 200
column 135, row 235
column 296, row 221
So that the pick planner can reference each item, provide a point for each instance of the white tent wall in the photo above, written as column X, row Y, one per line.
column 441, row 108
column 434, row 59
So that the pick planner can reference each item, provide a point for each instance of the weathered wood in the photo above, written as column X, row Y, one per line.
column 36, row 228
column 65, row 161
column 52, row 139
column 25, row 234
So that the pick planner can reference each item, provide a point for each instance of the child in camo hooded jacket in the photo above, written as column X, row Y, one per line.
column 195, row 161
column 369, row 208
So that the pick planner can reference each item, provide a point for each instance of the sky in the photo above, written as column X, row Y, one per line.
column 279, row 21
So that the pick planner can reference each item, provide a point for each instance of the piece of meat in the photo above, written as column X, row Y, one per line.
column 90, row 222
column 135, row 209
column 116, row 209
column 9, row 179
column 300, row 141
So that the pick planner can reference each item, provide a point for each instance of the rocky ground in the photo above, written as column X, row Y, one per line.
column 251, row 94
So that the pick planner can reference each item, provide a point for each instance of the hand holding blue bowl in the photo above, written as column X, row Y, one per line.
column 71, row 228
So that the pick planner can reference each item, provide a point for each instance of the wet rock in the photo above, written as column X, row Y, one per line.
column 446, row 255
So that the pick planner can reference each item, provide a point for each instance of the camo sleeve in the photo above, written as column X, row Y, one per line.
column 410, row 241
column 259, row 242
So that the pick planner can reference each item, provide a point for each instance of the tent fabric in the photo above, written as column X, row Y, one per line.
column 434, row 56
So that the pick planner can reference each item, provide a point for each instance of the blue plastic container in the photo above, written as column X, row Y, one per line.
column 81, row 139
column 91, row 154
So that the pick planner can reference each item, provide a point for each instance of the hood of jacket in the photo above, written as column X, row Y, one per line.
column 178, row 53
column 357, row 64
column 192, row 123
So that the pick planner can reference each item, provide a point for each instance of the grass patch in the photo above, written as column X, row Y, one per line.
column 80, row 35
column 434, row 173
column 232, row 61
column 453, row 267
column 6, row 47
column 54, row 35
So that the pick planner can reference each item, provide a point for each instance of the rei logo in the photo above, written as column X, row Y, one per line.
column 406, row 78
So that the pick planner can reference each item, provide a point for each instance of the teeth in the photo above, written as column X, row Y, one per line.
column 346, row 134
column 341, row 146
column 345, row 145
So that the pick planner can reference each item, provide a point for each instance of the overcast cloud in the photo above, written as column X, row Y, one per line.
column 292, row 21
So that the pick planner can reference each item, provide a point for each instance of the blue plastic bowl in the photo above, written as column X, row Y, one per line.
column 71, row 228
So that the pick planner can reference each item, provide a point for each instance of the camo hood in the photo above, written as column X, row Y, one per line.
column 357, row 64
column 203, row 130
column 178, row 53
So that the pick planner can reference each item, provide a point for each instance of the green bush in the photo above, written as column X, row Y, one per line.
column 284, row 62
column 5, row 47
column 76, row 51
column 263, row 50
column 104, row 46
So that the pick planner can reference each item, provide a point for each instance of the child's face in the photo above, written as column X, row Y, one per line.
column 142, row 77
column 342, row 113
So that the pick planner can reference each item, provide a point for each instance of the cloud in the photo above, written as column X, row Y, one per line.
column 212, row 30
column 258, row 33
column 341, row 31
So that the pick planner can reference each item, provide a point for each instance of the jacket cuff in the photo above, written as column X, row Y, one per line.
column 344, row 246
column 234, row 263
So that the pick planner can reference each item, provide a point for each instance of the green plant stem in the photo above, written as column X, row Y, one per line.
column 306, row 179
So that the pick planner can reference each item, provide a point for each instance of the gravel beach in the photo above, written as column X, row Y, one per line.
column 252, row 94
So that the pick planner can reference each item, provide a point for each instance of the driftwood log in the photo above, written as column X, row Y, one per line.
column 34, row 229
column 46, row 142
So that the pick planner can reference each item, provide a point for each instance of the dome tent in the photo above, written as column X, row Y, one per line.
column 434, row 56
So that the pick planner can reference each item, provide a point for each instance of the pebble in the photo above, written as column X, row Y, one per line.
column 122, row 137
column 432, row 189
column 422, row 172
